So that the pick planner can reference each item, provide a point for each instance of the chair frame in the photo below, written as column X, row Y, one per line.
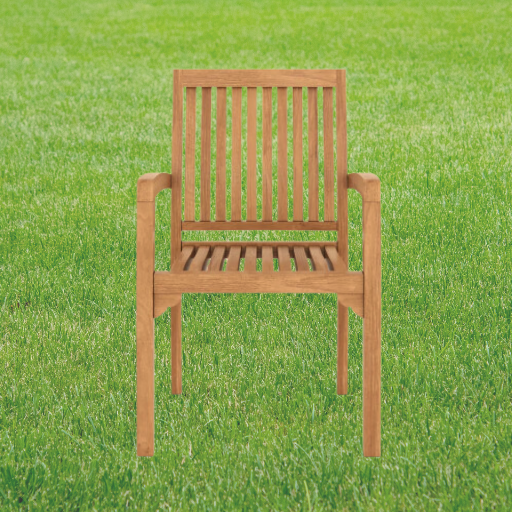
column 156, row 291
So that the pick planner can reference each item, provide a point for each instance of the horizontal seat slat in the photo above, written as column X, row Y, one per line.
column 335, row 259
column 301, row 260
column 217, row 259
column 183, row 259
column 258, row 78
column 199, row 259
column 283, row 255
column 267, row 260
column 233, row 263
column 319, row 262
column 251, row 254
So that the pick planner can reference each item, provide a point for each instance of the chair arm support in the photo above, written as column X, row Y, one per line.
column 150, row 184
column 367, row 184
column 148, row 187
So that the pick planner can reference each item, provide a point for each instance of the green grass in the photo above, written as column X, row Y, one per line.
column 85, row 96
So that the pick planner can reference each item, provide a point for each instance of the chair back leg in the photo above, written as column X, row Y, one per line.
column 176, row 349
column 342, row 381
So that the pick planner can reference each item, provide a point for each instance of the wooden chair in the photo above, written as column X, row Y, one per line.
column 198, row 267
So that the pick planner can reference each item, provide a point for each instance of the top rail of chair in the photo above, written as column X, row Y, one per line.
column 259, row 77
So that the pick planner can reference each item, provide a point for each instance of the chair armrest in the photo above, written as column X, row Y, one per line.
column 150, row 184
column 367, row 184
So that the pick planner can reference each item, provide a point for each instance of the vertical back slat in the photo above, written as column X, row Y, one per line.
column 298, row 212
column 328, row 156
column 282, row 154
column 341, row 136
column 177, row 157
column 267, row 154
column 251, row 153
column 190, row 155
column 220, row 182
column 206, row 122
column 236, row 156
column 313, row 153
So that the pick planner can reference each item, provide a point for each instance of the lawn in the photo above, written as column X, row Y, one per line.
column 85, row 108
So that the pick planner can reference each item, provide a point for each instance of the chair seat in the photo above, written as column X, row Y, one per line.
column 246, row 257
column 259, row 267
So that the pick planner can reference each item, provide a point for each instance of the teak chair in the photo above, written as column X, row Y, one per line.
column 198, row 267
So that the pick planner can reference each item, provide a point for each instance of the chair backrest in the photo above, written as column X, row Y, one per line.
column 259, row 175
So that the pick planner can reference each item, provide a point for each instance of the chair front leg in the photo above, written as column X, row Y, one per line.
column 145, row 328
column 371, row 329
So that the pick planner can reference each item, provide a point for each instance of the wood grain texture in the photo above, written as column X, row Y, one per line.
column 328, row 154
column 313, row 153
column 206, row 129
column 151, row 183
column 357, row 306
column 283, row 258
column 233, row 263
column 267, row 260
column 341, row 154
column 162, row 302
column 220, row 182
column 367, row 184
column 236, row 155
column 267, row 154
column 319, row 262
column 176, row 388
column 371, row 329
column 260, row 245
column 282, row 154
column 342, row 350
column 298, row 187
column 267, row 281
column 182, row 259
column 177, row 158
column 250, row 259
column 301, row 260
column 217, row 259
column 259, row 78
column 199, row 259
column 335, row 258
column 259, row 226
column 145, row 328
column 251, row 153
column 190, row 155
